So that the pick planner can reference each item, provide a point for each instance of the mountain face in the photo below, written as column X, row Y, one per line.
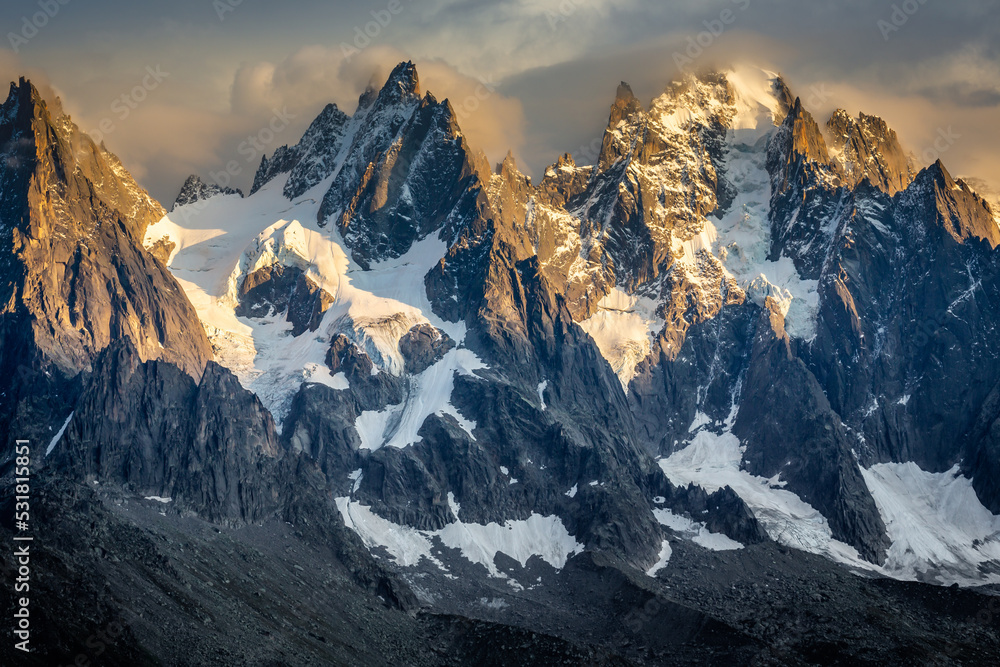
column 743, row 345
column 727, row 259
column 76, row 277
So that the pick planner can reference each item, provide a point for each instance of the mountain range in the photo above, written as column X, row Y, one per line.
column 730, row 395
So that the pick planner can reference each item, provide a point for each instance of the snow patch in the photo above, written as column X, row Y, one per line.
column 495, row 604
column 940, row 531
column 663, row 559
column 356, row 477
column 59, row 434
column 543, row 536
column 695, row 531
column 430, row 393
column 407, row 546
column 159, row 499
column 624, row 329
column 712, row 461
column 700, row 419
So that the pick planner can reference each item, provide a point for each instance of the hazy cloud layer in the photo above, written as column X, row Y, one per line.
column 549, row 67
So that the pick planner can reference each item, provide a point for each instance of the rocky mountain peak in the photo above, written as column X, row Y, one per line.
column 867, row 148
column 368, row 97
column 797, row 151
column 565, row 160
column 403, row 83
column 784, row 96
column 507, row 168
column 195, row 190
column 953, row 204
column 74, row 248
column 624, row 92
column 20, row 99
column 64, row 157
column 309, row 161
column 807, row 140
column 625, row 106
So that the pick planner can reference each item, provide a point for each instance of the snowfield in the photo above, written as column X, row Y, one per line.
column 543, row 536
column 939, row 529
column 221, row 240
column 940, row 532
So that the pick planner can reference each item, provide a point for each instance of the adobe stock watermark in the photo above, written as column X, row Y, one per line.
column 365, row 35
column 22, row 546
column 254, row 146
column 31, row 25
column 589, row 154
column 123, row 105
column 563, row 12
column 251, row 149
column 819, row 95
column 900, row 16
column 714, row 28
column 946, row 138
column 223, row 7
column 98, row 643
column 472, row 103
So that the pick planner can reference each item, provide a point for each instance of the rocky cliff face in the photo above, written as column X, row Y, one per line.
column 75, row 275
column 866, row 148
column 311, row 160
column 208, row 446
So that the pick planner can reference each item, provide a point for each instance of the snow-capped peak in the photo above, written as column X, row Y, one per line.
column 745, row 100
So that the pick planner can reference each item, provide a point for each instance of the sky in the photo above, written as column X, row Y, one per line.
column 193, row 85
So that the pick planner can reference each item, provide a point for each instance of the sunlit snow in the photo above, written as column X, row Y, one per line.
column 221, row 240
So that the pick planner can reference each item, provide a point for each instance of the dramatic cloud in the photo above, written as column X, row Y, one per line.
column 316, row 75
column 550, row 67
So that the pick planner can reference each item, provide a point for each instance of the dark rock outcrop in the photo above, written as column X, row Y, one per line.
column 196, row 190
column 279, row 289
column 75, row 277
column 790, row 430
column 209, row 446
column 422, row 347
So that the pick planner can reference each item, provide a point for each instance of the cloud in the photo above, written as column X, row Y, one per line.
column 967, row 77
column 12, row 68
